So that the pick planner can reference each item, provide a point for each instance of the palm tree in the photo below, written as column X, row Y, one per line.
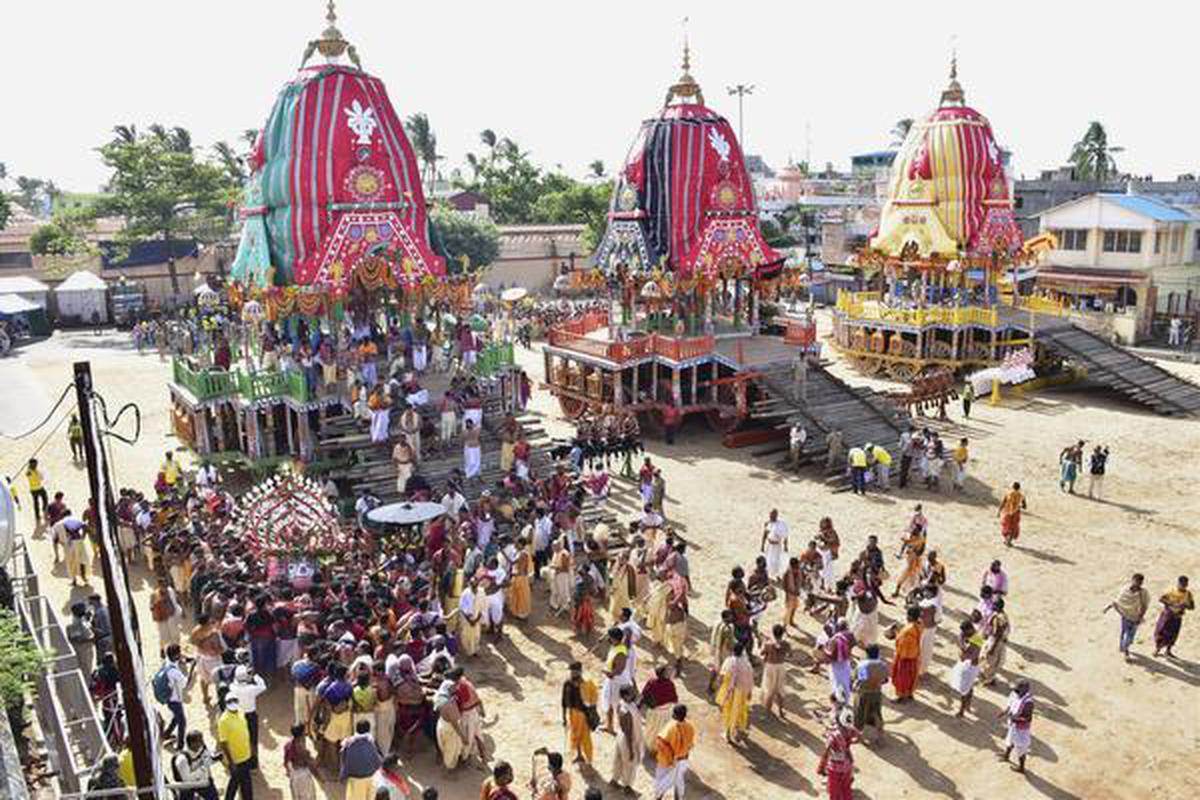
column 1092, row 155
column 125, row 134
column 424, row 142
column 900, row 131
column 230, row 161
column 596, row 169
column 488, row 137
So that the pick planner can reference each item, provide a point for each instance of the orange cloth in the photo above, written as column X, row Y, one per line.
column 908, row 641
column 674, row 742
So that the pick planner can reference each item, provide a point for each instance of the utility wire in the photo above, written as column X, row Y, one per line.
column 49, row 416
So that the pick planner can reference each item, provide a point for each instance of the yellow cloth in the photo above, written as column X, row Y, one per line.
column 520, row 598
column 735, row 706
column 450, row 743
column 882, row 456
column 35, row 479
column 170, row 471
column 468, row 637
column 341, row 726
column 857, row 457
column 579, row 735
column 233, row 731
column 960, row 455
column 674, row 742
column 125, row 768
column 1012, row 502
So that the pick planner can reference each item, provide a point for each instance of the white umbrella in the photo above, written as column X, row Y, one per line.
column 514, row 294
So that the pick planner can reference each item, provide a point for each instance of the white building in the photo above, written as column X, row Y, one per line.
column 1124, row 251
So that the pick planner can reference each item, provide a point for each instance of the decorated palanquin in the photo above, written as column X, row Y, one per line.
column 948, row 256
column 335, row 198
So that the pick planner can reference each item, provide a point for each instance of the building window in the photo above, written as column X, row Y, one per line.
column 1122, row 241
column 1072, row 238
column 1159, row 238
column 1176, row 240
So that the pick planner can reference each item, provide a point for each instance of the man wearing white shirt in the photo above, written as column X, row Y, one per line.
column 246, row 687
column 177, row 683
column 453, row 501
column 774, row 544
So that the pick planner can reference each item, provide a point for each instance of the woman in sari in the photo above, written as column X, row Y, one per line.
column 733, row 696
column 1175, row 603
column 623, row 588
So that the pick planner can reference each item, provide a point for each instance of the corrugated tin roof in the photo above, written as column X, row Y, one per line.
column 1149, row 207
column 81, row 281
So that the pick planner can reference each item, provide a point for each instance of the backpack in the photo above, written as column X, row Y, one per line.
column 162, row 684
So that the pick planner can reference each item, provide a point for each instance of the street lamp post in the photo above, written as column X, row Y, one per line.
column 741, row 90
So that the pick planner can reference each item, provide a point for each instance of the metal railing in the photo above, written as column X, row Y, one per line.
column 72, row 731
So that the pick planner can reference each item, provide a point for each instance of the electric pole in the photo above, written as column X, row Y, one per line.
column 741, row 90
column 143, row 742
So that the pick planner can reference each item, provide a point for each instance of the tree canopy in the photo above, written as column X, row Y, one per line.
column 900, row 130
column 469, row 242
column 577, row 204
column 1092, row 156
column 66, row 234
column 5, row 210
column 164, row 191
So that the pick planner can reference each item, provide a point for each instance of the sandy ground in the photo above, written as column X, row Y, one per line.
column 1103, row 729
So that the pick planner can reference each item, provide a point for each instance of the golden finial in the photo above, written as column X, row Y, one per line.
column 953, row 95
column 686, row 87
column 331, row 44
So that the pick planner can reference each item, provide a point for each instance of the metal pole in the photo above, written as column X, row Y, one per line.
column 135, row 712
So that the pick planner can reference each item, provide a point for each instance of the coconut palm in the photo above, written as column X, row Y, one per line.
column 596, row 169
column 424, row 142
column 1092, row 155
column 900, row 130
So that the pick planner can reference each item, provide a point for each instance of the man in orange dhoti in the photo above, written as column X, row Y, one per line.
column 908, row 653
column 1010, row 514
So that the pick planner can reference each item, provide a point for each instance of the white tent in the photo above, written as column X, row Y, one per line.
column 31, row 289
column 83, row 296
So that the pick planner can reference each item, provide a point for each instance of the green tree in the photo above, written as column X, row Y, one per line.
column 20, row 660
column 5, row 210
column 900, row 131
column 163, row 191
column 1092, row 155
column 66, row 234
column 596, row 169
column 424, row 142
column 577, row 204
column 35, row 194
column 462, row 236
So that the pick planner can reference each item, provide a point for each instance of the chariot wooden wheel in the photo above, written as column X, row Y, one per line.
column 867, row 365
column 572, row 408
column 902, row 371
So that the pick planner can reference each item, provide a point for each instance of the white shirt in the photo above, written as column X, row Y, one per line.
column 798, row 436
column 543, row 530
column 466, row 603
column 453, row 503
column 177, row 681
column 777, row 532
column 193, row 767
column 247, row 693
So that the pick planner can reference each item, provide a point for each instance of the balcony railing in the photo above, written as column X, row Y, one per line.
column 204, row 384
column 207, row 384
column 494, row 358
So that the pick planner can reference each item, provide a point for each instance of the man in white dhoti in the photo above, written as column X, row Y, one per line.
column 472, row 451
column 493, row 585
column 1019, row 713
column 671, row 750
column 775, row 544
column 628, row 750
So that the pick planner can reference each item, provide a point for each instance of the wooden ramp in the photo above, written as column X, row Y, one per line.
column 829, row 403
column 1133, row 376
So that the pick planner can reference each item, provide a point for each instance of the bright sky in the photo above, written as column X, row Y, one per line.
column 570, row 81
